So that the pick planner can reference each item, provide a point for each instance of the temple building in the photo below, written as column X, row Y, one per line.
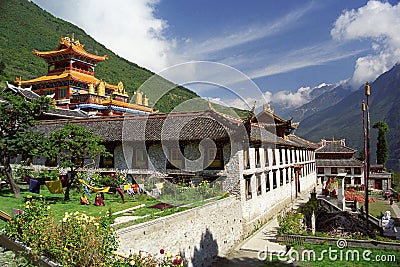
column 71, row 82
column 334, row 157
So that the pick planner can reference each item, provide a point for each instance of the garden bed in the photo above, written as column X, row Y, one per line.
column 19, row 249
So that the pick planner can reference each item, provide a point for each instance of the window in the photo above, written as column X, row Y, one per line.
column 246, row 159
column 48, row 92
column 62, row 93
column 266, row 157
column 175, row 158
column 257, row 151
column 215, row 158
column 357, row 180
column 247, row 180
column 357, row 170
column 320, row 170
column 348, row 170
column 107, row 162
column 334, row 170
column 140, row 158
column 267, row 184
column 258, row 180
column 287, row 175
column 274, row 181
column 286, row 156
column 273, row 157
column 281, row 156
column 174, row 154
column 281, row 177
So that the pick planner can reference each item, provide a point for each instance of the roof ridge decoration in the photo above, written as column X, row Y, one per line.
column 69, row 45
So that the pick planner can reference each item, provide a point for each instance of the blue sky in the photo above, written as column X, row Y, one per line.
column 284, row 47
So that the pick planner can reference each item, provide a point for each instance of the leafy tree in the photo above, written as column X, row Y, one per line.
column 71, row 145
column 382, row 153
column 17, row 116
column 361, row 155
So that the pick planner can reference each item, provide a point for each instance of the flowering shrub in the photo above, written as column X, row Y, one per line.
column 291, row 223
column 143, row 259
column 117, row 178
column 78, row 240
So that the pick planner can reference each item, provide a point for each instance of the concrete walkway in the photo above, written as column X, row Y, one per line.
column 396, row 209
column 249, row 251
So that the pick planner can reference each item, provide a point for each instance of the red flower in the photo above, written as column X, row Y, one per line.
column 177, row 261
column 162, row 251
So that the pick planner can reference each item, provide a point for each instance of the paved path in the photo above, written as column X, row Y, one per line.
column 247, row 253
column 396, row 209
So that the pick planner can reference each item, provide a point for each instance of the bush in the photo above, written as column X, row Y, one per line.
column 76, row 240
column 291, row 223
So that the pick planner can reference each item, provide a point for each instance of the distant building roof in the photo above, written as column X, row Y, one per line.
column 334, row 146
column 352, row 162
column 62, row 113
column 24, row 92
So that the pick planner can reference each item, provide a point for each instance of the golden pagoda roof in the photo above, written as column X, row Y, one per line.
column 109, row 101
column 66, row 75
column 70, row 46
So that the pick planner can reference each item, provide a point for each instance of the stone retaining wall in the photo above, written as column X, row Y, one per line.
column 198, row 234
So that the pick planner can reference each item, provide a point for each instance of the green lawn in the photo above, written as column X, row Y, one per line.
column 378, row 208
column 188, row 198
column 59, row 206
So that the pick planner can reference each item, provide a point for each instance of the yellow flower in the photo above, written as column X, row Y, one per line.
column 168, row 255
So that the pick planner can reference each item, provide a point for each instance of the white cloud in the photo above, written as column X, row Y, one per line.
column 285, row 98
column 379, row 21
column 304, row 57
column 128, row 28
column 201, row 49
column 292, row 100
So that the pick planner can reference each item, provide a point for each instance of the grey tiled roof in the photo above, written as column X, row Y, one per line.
column 25, row 92
column 352, row 162
column 335, row 147
column 66, row 113
column 167, row 127
column 302, row 142
column 182, row 126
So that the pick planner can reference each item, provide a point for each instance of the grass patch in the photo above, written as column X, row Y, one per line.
column 113, row 203
column 59, row 206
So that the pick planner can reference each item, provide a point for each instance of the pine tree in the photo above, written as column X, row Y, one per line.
column 382, row 153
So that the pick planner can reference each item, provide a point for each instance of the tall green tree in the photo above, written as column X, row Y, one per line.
column 382, row 151
column 71, row 145
column 17, row 116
